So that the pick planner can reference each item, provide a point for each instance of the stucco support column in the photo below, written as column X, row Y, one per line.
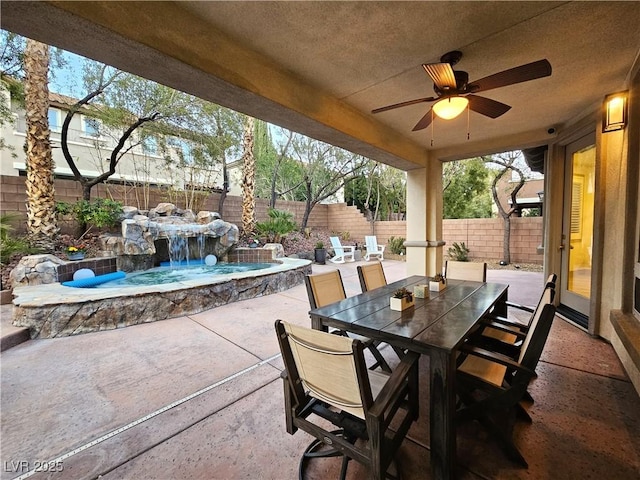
column 424, row 219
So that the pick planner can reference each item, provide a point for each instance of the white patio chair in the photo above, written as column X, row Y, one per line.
column 342, row 253
column 373, row 249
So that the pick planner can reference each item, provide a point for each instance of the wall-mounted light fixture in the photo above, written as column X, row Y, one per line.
column 614, row 113
column 450, row 107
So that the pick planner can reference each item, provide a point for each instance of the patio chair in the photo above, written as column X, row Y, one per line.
column 472, row 271
column 371, row 276
column 325, row 379
column 551, row 282
column 342, row 253
column 326, row 288
column 509, row 331
column 490, row 386
column 373, row 249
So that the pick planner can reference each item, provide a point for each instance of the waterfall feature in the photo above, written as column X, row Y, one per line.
column 178, row 250
column 171, row 235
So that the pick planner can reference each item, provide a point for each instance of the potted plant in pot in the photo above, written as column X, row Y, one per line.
column 401, row 300
column 75, row 252
column 437, row 283
column 320, row 253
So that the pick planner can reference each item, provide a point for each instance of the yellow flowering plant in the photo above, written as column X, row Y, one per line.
column 71, row 249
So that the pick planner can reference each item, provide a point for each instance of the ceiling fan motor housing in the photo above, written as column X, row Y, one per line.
column 462, row 79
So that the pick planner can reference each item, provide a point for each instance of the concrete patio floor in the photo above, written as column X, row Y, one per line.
column 200, row 397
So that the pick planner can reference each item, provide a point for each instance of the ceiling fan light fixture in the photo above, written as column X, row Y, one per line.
column 450, row 107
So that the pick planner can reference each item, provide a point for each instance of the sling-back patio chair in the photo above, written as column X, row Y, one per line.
column 325, row 377
column 490, row 385
column 373, row 249
column 326, row 288
column 341, row 253
column 371, row 276
column 472, row 271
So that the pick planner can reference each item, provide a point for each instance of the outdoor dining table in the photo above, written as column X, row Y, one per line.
column 436, row 326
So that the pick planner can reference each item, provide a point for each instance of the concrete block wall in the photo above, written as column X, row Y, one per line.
column 482, row 236
column 13, row 199
column 348, row 218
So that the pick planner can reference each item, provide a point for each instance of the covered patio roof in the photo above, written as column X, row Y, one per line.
column 319, row 68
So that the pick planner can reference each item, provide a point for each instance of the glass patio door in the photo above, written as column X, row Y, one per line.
column 577, row 230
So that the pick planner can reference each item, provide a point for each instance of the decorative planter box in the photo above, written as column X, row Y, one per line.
column 400, row 304
column 437, row 286
column 421, row 291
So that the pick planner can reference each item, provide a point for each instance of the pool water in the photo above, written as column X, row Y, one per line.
column 163, row 275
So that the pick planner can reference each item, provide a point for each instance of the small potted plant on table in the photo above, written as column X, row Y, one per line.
column 401, row 300
column 437, row 283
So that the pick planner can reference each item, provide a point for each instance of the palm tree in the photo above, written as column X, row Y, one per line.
column 42, row 227
column 248, row 179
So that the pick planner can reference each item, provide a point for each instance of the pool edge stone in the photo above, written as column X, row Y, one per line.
column 48, row 314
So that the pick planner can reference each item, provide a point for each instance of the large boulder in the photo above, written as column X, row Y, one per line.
column 35, row 270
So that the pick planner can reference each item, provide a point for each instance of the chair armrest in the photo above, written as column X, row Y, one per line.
column 390, row 393
column 493, row 344
column 526, row 308
column 381, row 248
column 496, row 357
column 513, row 330
column 492, row 318
column 348, row 248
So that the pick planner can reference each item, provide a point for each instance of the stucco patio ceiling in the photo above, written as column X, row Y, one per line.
column 321, row 67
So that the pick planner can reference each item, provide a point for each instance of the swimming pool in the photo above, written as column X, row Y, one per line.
column 164, row 275
column 53, row 310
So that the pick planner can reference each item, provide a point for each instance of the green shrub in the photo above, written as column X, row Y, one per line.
column 276, row 228
column 10, row 245
column 458, row 252
column 396, row 245
column 99, row 213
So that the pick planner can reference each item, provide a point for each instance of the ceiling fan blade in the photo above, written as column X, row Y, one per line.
column 523, row 73
column 486, row 106
column 404, row 104
column 424, row 122
column 441, row 74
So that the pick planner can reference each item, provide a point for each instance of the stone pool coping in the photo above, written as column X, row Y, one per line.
column 53, row 310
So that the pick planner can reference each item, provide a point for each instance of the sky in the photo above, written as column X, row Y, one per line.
column 68, row 81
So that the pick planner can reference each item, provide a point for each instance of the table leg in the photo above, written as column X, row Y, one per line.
column 316, row 324
column 501, row 307
column 442, row 415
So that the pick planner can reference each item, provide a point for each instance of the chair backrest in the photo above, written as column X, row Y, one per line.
column 337, row 246
column 545, row 299
column 324, row 288
column 371, row 276
column 328, row 367
column 472, row 271
column 534, row 345
column 371, row 242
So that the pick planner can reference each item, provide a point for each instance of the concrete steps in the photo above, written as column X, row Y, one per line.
column 10, row 336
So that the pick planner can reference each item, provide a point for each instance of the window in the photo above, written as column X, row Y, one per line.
column 150, row 146
column 55, row 120
column 90, row 127
column 182, row 148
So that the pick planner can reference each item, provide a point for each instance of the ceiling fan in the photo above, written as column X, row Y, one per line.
column 454, row 91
